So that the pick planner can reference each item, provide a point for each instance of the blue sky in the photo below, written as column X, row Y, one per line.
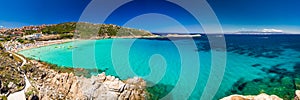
column 159, row 15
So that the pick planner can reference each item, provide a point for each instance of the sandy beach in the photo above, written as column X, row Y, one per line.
column 16, row 46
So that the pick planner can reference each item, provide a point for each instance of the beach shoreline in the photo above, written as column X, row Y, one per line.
column 17, row 47
column 14, row 46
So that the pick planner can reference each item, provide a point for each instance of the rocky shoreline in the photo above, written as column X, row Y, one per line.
column 262, row 96
column 11, row 80
column 50, row 84
column 252, row 97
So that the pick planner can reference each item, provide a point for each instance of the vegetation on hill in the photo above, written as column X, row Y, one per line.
column 28, row 32
column 60, row 28
column 88, row 29
column 69, row 30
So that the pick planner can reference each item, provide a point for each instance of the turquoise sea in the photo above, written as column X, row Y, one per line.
column 179, row 68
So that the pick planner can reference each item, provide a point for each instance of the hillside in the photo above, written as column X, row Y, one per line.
column 87, row 29
column 11, row 80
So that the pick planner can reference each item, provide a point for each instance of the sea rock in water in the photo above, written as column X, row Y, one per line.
column 297, row 95
column 112, row 88
column 266, row 97
column 258, row 97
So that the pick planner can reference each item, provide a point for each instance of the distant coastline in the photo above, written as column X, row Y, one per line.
column 19, row 46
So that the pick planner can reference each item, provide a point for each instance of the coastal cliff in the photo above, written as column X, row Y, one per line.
column 50, row 84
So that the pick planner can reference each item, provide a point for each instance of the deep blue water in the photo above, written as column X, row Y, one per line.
column 190, row 68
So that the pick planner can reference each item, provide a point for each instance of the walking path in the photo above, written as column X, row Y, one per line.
column 21, row 94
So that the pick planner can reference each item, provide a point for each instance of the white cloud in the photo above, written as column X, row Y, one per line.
column 272, row 30
column 1, row 26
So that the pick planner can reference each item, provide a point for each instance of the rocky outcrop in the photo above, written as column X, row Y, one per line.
column 297, row 95
column 11, row 78
column 50, row 84
column 111, row 88
column 258, row 97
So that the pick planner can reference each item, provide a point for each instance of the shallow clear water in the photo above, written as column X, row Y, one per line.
column 254, row 63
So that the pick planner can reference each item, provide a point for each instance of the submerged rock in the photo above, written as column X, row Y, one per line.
column 297, row 83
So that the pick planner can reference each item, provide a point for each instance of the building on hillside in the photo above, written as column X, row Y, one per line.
column 18, row 33
column 3, row 30
column 33, row 36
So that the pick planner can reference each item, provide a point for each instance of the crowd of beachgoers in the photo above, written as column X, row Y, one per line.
column 16, row 46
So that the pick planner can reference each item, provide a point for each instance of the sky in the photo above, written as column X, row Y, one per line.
column 159, row 15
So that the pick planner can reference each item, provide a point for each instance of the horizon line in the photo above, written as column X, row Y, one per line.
column 228, row 32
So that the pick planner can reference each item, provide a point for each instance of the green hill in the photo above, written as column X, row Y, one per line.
column 89, row 29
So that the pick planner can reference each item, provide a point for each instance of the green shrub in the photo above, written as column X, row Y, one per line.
column 66, row 36
column 20, row 40
column 1, row 47
column 3, row 98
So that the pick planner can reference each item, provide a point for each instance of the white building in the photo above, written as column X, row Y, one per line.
column 33, row 36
